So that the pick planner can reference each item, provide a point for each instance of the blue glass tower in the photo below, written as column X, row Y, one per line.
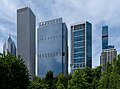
column 104, row 37
column 81, row 45
column 52, row 49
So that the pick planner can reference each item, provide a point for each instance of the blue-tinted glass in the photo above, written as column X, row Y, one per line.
column 89, row 45
column 104, row 37
column 79, row 55
column 104, row 30
column 78, row 60
column 79, row 49
column 79, row 38
column 80, row 32
column 79, row 44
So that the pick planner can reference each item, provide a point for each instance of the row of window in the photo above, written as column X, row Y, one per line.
column 80, row 26
column 50, row 22
column 79, row 49
column 79, row 65
column 79, row 32
column 79, row 60
column 79, row 38
column 52, row 37
column 50, row 54
column 79, row 44
column 79, row 55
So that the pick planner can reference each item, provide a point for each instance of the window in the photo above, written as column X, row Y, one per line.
column 79, row 55
column 79, row 60
column 77, row 33
column 79, row 49
column 79, row 44
column 79, row 38
column 42, row 55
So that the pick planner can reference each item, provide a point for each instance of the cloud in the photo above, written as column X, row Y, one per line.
column 98, row 12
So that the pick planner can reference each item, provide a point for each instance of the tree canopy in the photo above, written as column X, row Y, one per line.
column 13, row 72
column 14, row 75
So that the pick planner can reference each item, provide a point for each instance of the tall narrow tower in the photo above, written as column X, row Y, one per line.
column 81, row 45
column 26, row 37
column 104, row 37
column 108, row 52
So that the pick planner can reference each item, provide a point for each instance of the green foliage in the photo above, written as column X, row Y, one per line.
column 13, row 72
column 62, row 81
column 49, row 79
column 96, row 73
column 37, row 83
column 14, row 75
column 61, row 86
column 110, row 78
column 78, row 80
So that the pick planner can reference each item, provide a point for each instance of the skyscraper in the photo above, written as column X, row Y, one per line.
column 104, row 37
column 108, row 52
column 52, row 50
column 107, row 55
column 9, row 46
column 26, row 37
column 81, row 45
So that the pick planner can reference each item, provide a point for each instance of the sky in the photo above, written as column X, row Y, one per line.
column 97, row 12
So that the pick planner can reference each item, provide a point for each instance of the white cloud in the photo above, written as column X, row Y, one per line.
column 98, row 12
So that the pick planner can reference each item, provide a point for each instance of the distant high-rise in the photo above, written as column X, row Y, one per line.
column 108, row 55
column 108, row 52
column 9, row 46
column 81, row 45
column 26, row 37
column 52, row 50
column 104, row 37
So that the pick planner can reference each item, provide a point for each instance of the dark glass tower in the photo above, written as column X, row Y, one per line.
column 104, row 37
column 81, row 45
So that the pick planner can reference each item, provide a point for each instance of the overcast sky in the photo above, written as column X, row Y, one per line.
column 97, row 12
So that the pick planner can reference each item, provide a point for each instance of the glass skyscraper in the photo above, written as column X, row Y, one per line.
column 81, row 45
column 9, row 46
column 104, row 37
column 108, row 52
column 52, row 49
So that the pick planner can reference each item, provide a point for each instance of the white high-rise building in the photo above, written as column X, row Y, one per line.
column 108, row 55
column 26, row 38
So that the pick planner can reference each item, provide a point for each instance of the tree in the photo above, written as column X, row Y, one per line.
column 49, row 79
column 13, row 72
column 104, row 82
column 62, row 82
column 96, row 73
column 115, row 74
column 79, row 80
column 37, row 83
column 60, row 86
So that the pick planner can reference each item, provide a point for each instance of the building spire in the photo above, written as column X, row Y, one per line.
column 10, row 35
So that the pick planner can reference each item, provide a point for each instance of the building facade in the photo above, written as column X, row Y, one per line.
column 108, row 55
column 104, row 37
column 108, row 52
column 81, row 45
column 9, row 46
column 26, row 37
column 52, row 49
